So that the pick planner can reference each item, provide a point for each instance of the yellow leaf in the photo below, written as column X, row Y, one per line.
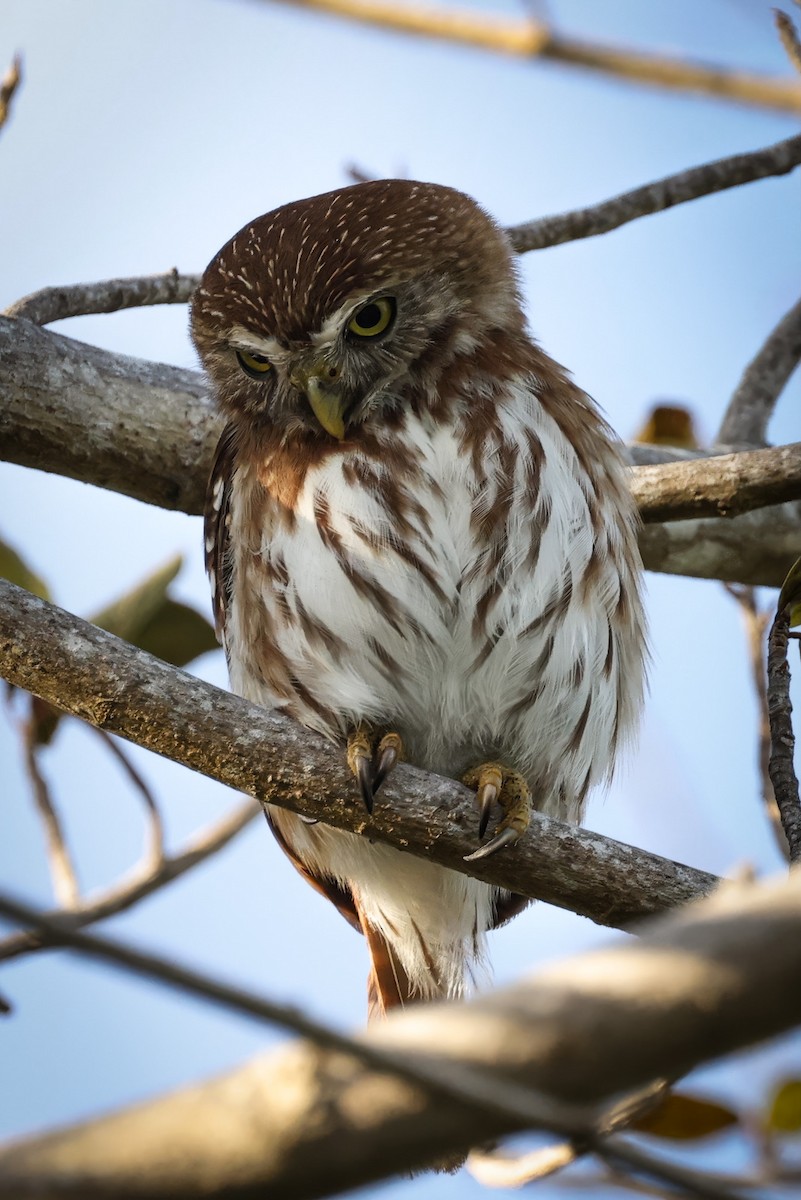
column 685, row 1118
column 785, row 1111
column 668, row 425
column 790, row 595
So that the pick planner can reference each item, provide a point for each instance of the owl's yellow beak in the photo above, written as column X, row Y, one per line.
column 328, row 406
column 325, row 398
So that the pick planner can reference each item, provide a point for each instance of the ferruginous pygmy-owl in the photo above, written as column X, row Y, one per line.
column 421, row 541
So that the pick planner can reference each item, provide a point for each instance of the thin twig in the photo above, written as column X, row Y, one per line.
column 8, row 87
column 62, row 870
column 692, row 1183
column 110, row 295
column 789, row 37
column 656, row 197
column 756, row 624
column 532, row 39
column 129, row 891
column 751, row 407
column 782, row 739
column 154, row 857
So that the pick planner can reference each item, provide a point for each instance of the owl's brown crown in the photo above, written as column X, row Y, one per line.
column 285, row 272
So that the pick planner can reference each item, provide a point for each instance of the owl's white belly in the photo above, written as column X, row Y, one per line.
column 462, row 631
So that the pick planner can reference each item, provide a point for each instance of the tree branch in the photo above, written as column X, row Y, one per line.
column 655, row 197
column 782, row 771
column 751, row 407
column 8, row 87
column 117, row 687
column 723, row 486
column 532, row 39
column 142, row 882
column 80, row 415
column 307, row 1122
column 110, row 295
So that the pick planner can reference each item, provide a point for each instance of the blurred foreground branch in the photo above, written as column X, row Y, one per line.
column 111, row 684
column 308, row 1121
column 533, row 39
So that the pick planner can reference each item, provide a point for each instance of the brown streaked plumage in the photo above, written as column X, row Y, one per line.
column 416, row 524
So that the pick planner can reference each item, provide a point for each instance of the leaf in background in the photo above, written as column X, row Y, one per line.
column 790, row 595
column 134, row 611
column 685, row 1118
column 668, row 425
column 785, row 1110
column 177, row 634
column 15, row 570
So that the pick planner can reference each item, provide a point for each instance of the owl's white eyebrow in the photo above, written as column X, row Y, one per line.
column 245, row 339
column 332, row 326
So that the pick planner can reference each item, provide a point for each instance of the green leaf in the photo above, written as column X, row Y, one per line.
column 785, row 1109
column 16, row 570
column 685, row 1118
column 790, row 595
column 134, row 611
column 177, row 634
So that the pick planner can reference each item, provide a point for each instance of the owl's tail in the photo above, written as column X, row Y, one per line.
column 388, row 985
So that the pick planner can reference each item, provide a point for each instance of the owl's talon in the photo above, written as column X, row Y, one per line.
column 506, row 837
column 389, row 751
column 494, row 782
column 364, row 774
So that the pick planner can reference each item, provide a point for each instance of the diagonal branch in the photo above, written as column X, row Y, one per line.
column 117, row 687
column 307, row 1121
column 655, row 197
column 532, row 39
column 751, row 407
column 139, row 884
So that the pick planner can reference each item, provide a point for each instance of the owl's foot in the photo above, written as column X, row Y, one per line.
column 493, row 782
column 371, row 766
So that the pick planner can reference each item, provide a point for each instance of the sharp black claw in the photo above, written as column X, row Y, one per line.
column 309, row 820
column 504, row 838
column 486, row 798
column 386, row 761
column 366, row 786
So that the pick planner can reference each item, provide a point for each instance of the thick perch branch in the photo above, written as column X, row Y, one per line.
column 111, row 684
column 306, row 1122
column 149, row 431
column 533, row 39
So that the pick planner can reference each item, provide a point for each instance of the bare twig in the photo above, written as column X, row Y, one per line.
column 722, row 486
column 756, row 624
column 309, row 1122
column 751, row 407
column 62, row 871
column 618, row 1151
column 8, row 87
column 154, row 851
column 143, row 882
column 658, row 196
column 117, row 687
column 531, row 39
column 782, row 771
column 789, row 36
column 80, row 299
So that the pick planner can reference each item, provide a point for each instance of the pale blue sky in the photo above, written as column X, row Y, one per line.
column 147, row 132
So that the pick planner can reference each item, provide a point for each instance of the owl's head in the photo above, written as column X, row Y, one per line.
column 329, row 314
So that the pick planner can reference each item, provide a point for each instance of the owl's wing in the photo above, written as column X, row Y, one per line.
column 216, row 528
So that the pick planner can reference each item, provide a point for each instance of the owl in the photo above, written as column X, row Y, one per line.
column 421, row 542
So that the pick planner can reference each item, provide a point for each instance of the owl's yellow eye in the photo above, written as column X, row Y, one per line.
column 373, row 318
column 255, row 365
